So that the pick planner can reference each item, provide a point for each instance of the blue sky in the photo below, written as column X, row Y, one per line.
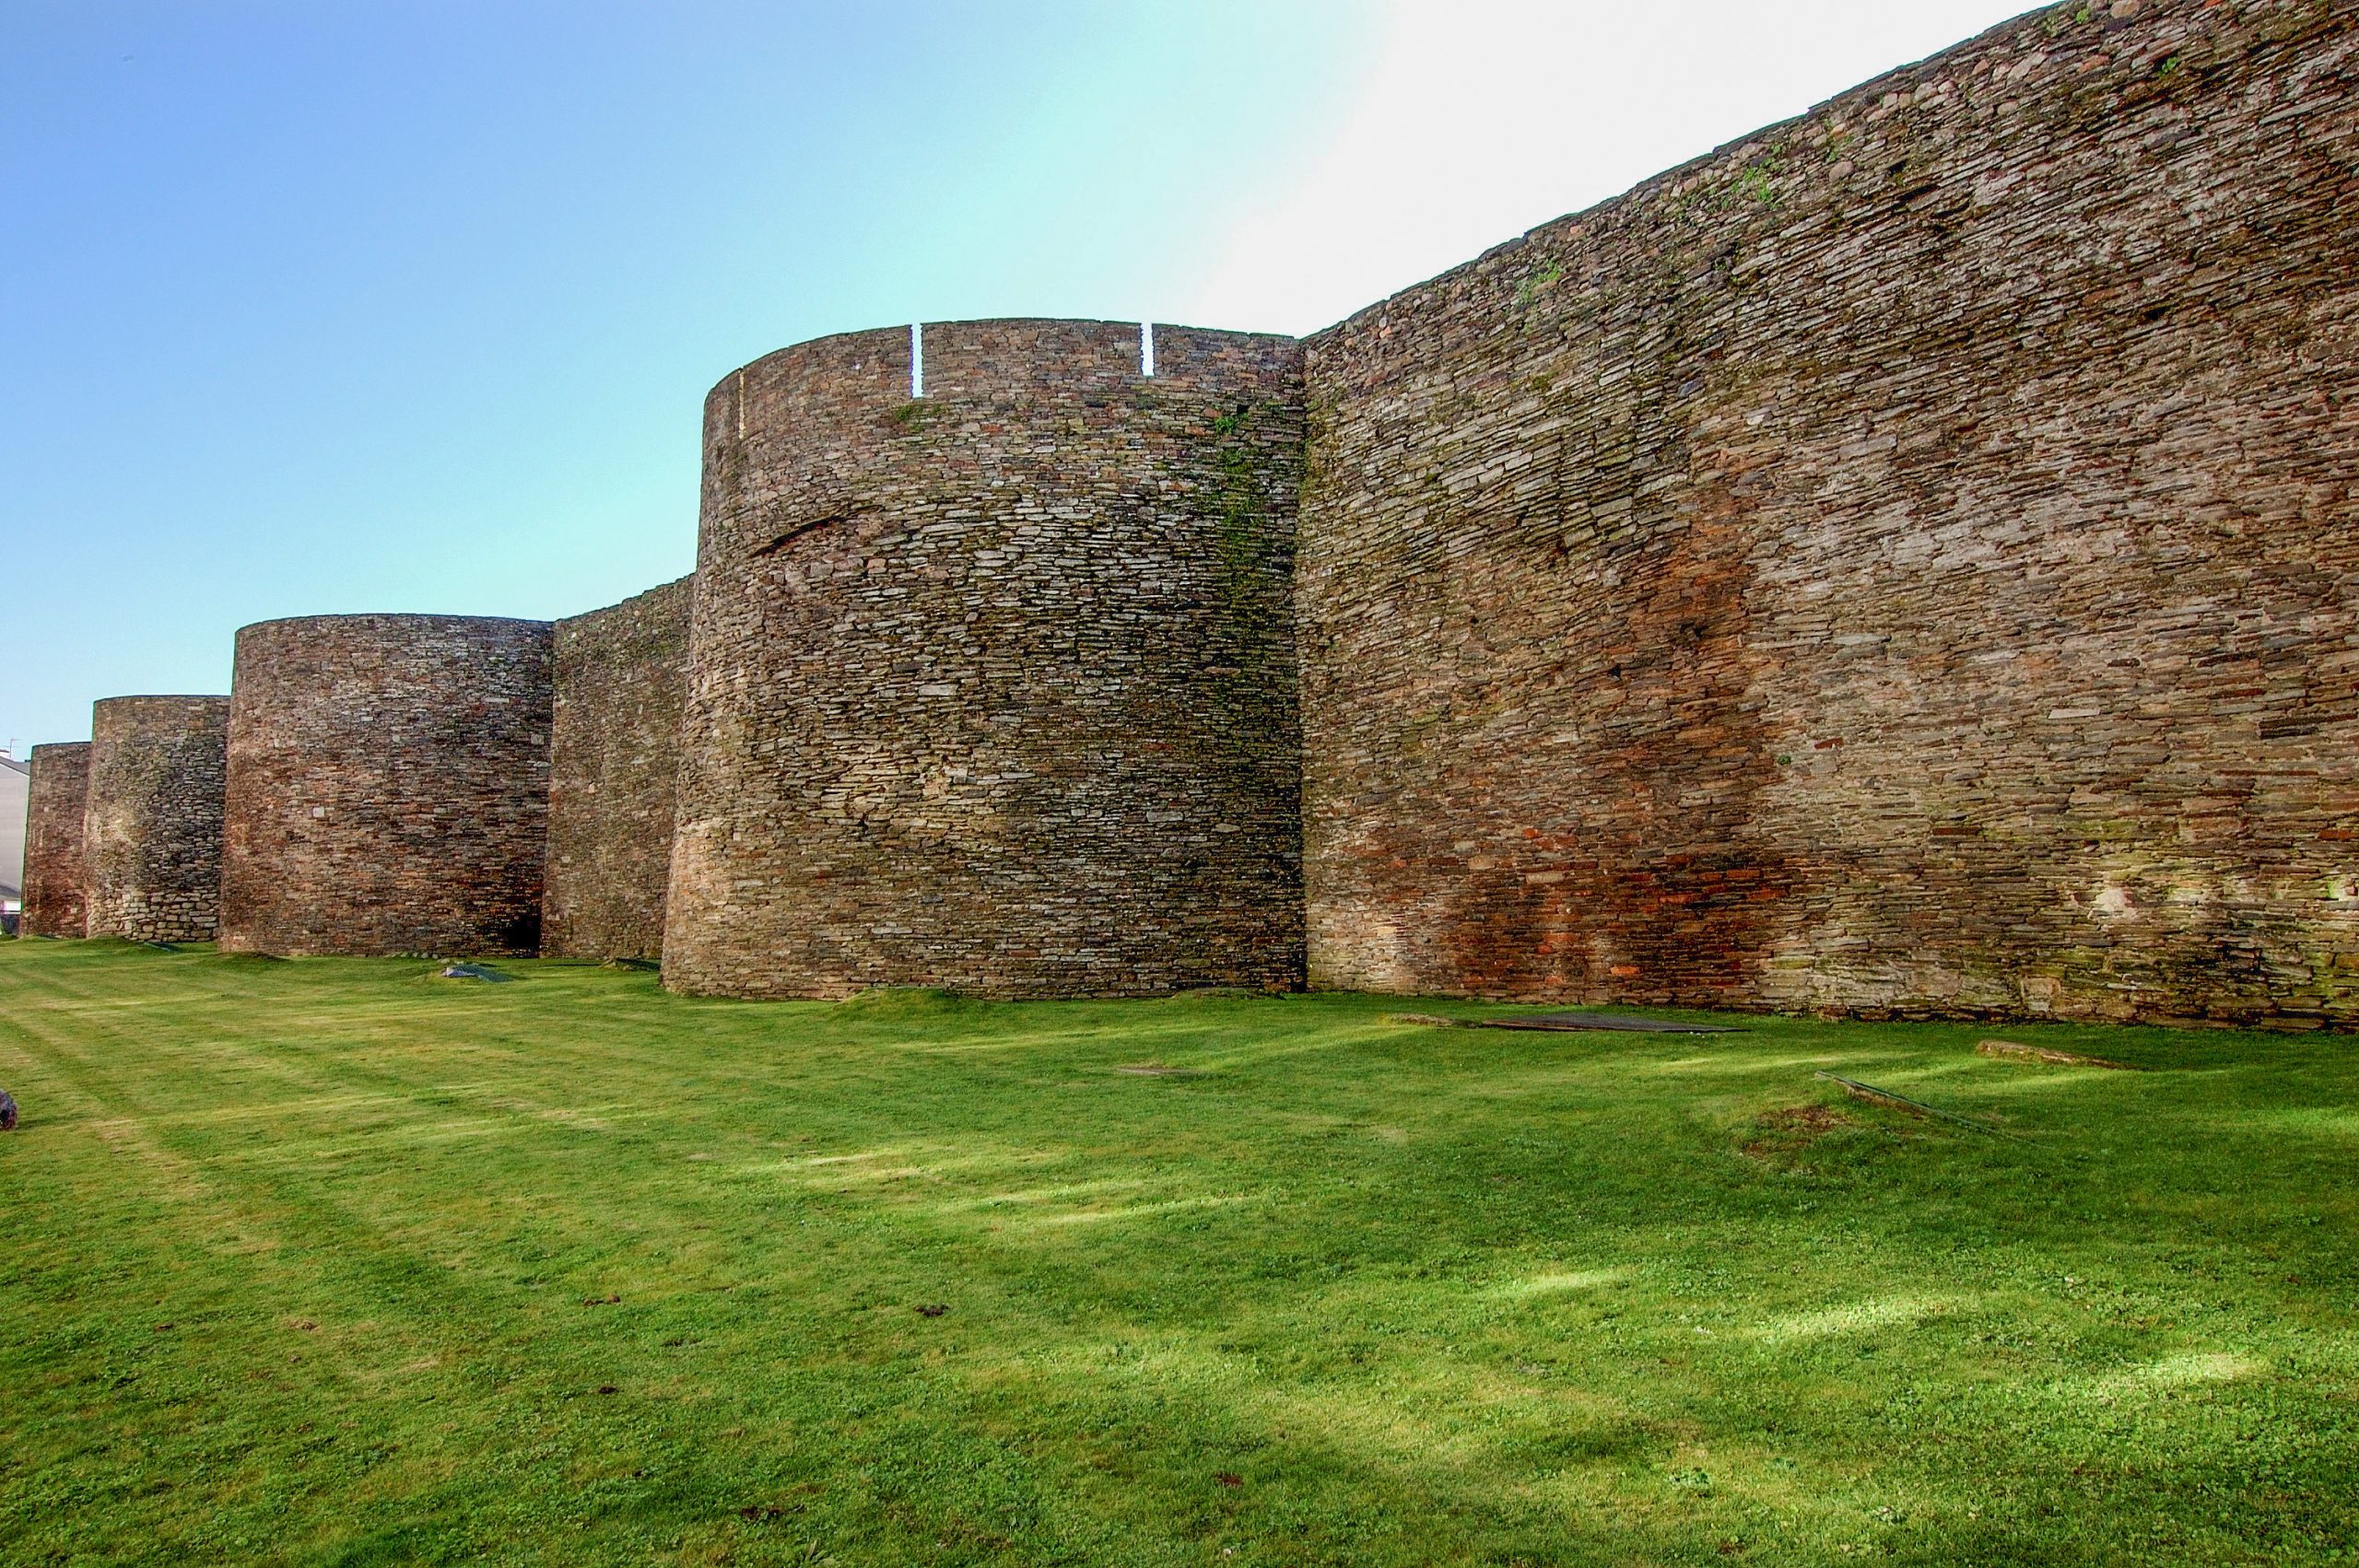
column 412, row 304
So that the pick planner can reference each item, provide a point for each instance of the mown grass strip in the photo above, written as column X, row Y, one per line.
column 317, row 1262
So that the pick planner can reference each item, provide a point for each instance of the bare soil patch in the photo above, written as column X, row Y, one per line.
column 1793, row 1129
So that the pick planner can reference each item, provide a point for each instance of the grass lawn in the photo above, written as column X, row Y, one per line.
column 328, row 1262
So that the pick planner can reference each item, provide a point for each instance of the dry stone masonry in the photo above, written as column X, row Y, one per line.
column 620, row 677
column 1904, row 563
column 388, row 785
column 59, row 797
column 994, row 688
column 151, row 835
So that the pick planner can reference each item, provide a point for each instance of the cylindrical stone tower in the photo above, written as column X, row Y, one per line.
column 388, row 785
column 59, row 797
column 152, row 828
column 993, row 686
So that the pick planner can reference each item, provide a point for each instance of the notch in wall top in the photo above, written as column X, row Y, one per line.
column 887, row 368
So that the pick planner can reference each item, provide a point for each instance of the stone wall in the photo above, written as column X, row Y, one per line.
column 1905, row 562
column 994, row 688
column 388, row 785
column 58, row 797
column 621, row 676
column 151, row 842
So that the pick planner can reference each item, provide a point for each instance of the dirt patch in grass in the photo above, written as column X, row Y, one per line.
column 1791, row 1131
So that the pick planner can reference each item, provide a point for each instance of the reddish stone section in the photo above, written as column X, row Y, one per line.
column 621, row 678
column 59, row 796
column 993, row 688
column 151, row 842
column 388, row 785
column 1900, row 564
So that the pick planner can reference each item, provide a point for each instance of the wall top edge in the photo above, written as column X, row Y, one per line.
column 157, row 713
column 391, row 620
column 2027, row 32
column 890, row 344
column 666, row 587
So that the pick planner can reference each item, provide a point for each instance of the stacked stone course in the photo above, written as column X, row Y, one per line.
column 58, row 798
column 151, row 837
column 388, row 785
column 1904, row 562
column 994, row 688
column 620, row 678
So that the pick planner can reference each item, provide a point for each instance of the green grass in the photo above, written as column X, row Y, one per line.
column 298, row 1263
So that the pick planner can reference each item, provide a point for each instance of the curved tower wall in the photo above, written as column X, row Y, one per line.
column 58, row 798
column 994, row 688
column 388, row 785
column 621, row 676
column 152, row 826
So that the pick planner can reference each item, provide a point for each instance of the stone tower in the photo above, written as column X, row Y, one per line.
column 388, row 785
column 152, row 830
column 55, row 873
column 992, row 682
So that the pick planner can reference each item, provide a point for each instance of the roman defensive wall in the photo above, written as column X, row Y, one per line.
column 1905, row 562
column 151, row 837
column 620, row 676
column 388, row 785
column 57, row 801
column 992, row 677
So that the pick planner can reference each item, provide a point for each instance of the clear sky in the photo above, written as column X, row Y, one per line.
column 348, row 305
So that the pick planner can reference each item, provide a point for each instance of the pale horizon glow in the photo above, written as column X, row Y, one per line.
column 1480, row 120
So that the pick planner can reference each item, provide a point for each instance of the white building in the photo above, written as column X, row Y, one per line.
column 16, row 789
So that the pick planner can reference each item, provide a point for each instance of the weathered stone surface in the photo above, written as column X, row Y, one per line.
column 994, row 689
column 388, row 785
column 1904, row 562
column 621, row 678
column 58, row 799
column 151, row 840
